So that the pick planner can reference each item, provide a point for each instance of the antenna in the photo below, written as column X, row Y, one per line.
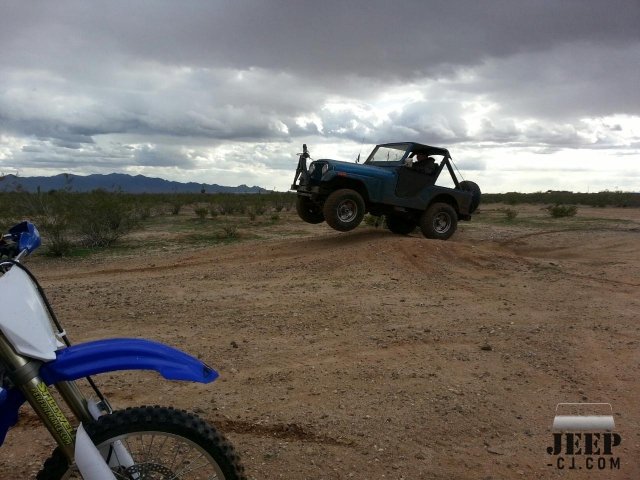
column 361, row 144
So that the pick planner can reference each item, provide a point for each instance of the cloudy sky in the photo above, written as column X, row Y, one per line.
column 526, row 94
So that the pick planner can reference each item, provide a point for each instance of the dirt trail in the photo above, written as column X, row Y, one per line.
column 369, row 355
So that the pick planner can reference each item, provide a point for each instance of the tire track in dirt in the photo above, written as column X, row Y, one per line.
column 518, row 238
column 601, row 280
column 563, row 252
column 284, row 431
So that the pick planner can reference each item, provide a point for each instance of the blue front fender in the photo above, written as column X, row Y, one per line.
column 91, row 358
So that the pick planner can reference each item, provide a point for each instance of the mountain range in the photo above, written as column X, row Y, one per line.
column 114, row 182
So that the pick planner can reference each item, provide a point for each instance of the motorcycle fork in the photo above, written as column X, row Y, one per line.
column 24, row 373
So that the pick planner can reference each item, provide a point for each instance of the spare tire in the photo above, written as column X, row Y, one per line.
column 474, row 189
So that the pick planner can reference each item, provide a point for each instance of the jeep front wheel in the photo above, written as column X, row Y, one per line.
column 308, row 211
column 439, row 221
column 344, row 209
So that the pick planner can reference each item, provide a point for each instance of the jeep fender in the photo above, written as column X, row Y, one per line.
column 366, row 187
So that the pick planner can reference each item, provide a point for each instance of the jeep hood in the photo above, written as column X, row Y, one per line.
column 357, row 168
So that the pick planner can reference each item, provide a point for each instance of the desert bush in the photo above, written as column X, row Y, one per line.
column 599, row 199
column 230, row 231
column 252, row 214
column 558, row 211
column 53, row 214
column 143, row 212
column 103, row 217
column 58, row 243
column 213, row 210
column 56, row 232
column 509, row 213
column 201, row 212
column 227, row 207
column 275, row 217
column 176, row 203
column 373, row 220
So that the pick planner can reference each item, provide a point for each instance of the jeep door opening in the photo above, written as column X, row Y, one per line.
column 398, row 180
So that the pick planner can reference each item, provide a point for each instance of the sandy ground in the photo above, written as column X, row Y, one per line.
column 370, row 355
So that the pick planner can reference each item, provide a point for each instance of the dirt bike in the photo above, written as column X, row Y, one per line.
column 136, row 443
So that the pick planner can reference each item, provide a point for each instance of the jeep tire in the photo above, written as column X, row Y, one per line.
column 474, row 189
column 439, row 221
column 344, row 209
column 309, row 211
column 400, row 225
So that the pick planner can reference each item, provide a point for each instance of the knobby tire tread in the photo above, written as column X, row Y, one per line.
column 163, row 419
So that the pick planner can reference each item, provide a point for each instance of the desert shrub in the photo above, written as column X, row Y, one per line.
column 230, row 231
column 143, row 212
column 558, row 211
column 140, row 207
column 213, row 210
column 58, row 243
column 227, row 207
column 176, row 206
column 373, row 220
column 599, row 199
column 252, row 214
column 510, row 213
column 53, row 214
column 103, row 217
column 55, row 230
column 201, row 212
column 275, row 217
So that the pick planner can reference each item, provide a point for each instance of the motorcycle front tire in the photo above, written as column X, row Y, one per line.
column 163, row 443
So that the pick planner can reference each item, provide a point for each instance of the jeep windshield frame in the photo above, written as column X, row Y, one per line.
column 393, row 154
column 390, row 154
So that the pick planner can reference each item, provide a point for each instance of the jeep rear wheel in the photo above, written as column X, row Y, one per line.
column 308, row 211
column 399, row 225
column 344, row 209
column 439, row 221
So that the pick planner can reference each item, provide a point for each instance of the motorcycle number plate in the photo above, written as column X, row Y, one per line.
column 23, row 317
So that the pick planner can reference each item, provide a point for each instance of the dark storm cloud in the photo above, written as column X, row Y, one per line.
column 576, row 80
column 372, row 38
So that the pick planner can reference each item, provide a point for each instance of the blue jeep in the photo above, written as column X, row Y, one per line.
column 398, row 180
